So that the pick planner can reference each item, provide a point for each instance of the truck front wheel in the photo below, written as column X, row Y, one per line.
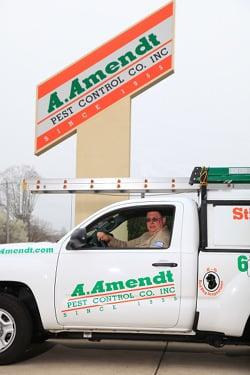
column 15, row 329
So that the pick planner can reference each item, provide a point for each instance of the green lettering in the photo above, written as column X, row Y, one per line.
column 98, row 288
column 160, row 278
column 54, row 102
column 143, row 47
column 93, row 79
column 112, row 67
column 78, row 291
column 76, row 89
column 28, row 250
column 243, row 263
column 169, row 276
column 145, row 281
column 153, row 39
column 115, row 285
column 127, row 58
column 131, row 283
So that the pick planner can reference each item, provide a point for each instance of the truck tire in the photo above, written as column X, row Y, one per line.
column 15, row 329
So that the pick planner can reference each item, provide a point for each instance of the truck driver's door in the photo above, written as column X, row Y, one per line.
column 128, row 288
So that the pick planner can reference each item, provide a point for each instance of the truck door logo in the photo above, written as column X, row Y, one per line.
column 211, row 284
column 112, row 294
column 211, row 281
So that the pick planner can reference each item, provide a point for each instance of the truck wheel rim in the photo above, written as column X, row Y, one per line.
column 7, row 330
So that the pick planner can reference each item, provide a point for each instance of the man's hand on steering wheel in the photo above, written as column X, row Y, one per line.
column 103, row 238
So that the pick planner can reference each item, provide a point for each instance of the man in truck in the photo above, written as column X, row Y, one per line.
column 157, row 234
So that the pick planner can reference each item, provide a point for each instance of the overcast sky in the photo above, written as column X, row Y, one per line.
column 198, row 116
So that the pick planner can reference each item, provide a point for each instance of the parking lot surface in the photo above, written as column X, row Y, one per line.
column 73, row 357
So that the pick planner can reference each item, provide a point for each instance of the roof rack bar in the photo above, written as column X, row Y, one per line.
column 124, row 185
column 111, row 185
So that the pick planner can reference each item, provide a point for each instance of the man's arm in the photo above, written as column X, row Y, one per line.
column 115, row 243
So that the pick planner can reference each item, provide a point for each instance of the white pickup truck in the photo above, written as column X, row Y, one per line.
column 197, row 289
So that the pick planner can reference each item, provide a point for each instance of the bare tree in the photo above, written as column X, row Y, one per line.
column 41, row 230
column 19, row 203
column 17, row 233
column 16, row 207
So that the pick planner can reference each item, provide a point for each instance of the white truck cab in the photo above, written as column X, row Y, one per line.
column 197, row 289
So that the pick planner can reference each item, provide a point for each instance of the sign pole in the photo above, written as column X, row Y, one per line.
column 103, row 150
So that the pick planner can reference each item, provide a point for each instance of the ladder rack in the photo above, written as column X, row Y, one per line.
column 201, row 179
column 122, row 185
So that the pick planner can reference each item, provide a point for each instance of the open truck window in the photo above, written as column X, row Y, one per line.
column 125, row 225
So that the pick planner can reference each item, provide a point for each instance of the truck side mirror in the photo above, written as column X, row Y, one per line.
column 77, row 239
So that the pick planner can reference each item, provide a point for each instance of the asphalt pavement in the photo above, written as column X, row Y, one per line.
column 74, row 357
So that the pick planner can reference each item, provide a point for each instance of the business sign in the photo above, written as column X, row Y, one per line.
column 122, row 67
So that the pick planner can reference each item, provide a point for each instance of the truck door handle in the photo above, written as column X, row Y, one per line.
column 165, row 264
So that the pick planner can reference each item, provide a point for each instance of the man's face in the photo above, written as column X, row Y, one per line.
column 155, row 221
